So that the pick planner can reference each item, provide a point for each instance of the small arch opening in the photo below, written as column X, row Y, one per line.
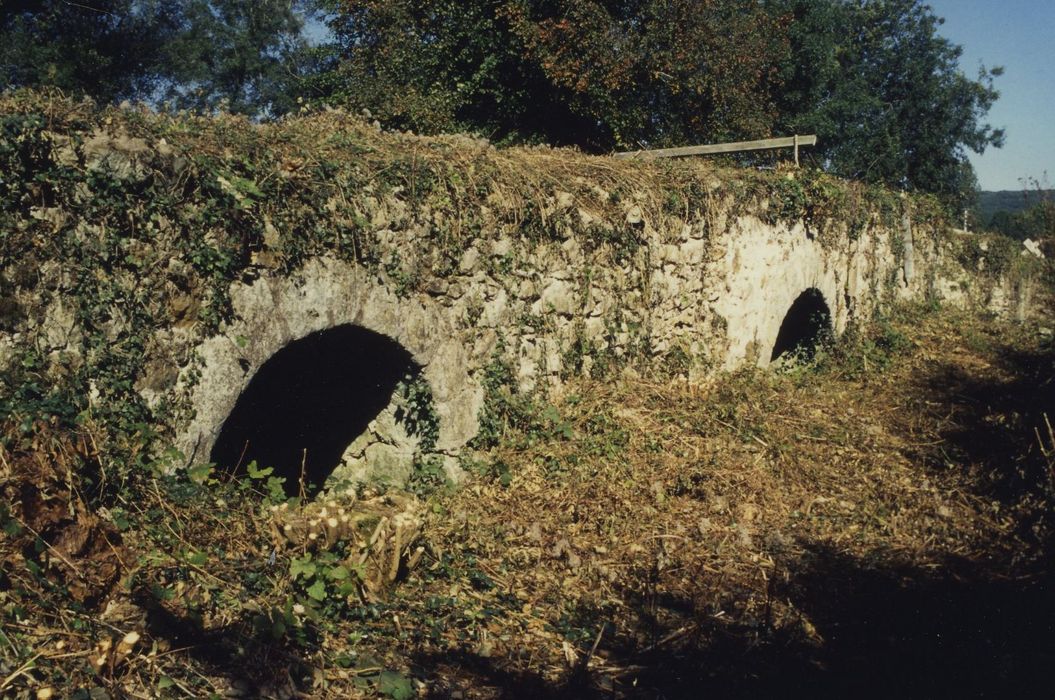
column 807, row 324
column 309, row 401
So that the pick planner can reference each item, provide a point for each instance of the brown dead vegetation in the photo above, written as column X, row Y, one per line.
column 80, row 552
column 878, row 523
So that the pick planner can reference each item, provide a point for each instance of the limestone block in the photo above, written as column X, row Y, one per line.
column 470, row 260
column 459, row 417
column 558, row 297
column 668, row 253
column 573, row 251
column 502, row 246
column 693, row 251
column 59, row 328
column 587, row 219
column 62, row 149
column 495, row 310
column 634, row 215
column 527, row 289
column 121, row 156
column 593, row 328
column 380, row 463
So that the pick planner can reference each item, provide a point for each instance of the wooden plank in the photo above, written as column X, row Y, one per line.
column 717, row 148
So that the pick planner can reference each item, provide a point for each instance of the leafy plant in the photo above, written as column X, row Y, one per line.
column 503, row 406
column 427, row 474
column 864, row 350
column 395, row 686
column 417, row 410
column 325, row 581
column 275, row 485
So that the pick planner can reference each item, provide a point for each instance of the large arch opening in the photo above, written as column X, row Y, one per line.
column 807, row 324
column 309, row 401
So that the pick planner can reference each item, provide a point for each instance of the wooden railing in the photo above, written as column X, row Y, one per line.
column 719, row 148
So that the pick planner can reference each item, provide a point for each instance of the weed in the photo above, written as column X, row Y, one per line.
column 417, row 411
column 404, row 282
column 863, row 350
column 504, row 407
column 427, row 475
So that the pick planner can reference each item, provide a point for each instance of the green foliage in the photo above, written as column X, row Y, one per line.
column 1021, row 214
column 275, row 623
column 875, row 81
column 504, row 406
column 427, row 474
column 417, row 410
column 275, row 485
column 508, row 413
column 575, row 355
column 828, row 207
column 885, row 94
column 245, row 55
column 395, row 686
column 111, row 50
column 862, row 350
column 1036, row 221
column 404, row 282
column 324, row 582
column 109, row 228
column 156, row 241
column 1034, row 191
column 999, row 258
column 417, row 413
column 579, row 72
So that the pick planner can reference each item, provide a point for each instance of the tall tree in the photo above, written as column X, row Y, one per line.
column 444, row 65
column 598, row 74
column 110, row 49
column 244, row 54
column 660, row 72
column 885, row 94
column 247, row 55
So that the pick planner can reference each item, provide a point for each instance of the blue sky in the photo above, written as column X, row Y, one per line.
column 1020, row 36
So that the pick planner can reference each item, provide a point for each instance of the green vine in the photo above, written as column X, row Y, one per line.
column 417, row 411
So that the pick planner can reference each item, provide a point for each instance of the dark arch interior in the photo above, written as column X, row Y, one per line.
column 309, row 401
column 807, row 323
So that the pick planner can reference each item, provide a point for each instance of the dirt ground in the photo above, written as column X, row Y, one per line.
column 877, row 523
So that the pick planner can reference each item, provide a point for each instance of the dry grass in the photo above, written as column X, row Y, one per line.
column 838, row 527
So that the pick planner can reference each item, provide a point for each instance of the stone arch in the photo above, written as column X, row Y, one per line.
column 807, row 322
column 274, row 311
column 310, row 401
column 762, row 273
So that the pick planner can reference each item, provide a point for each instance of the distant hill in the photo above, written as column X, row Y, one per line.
column 1010, row 201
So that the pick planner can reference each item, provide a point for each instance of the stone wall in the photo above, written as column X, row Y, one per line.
column 693, row 299
column 152, row 265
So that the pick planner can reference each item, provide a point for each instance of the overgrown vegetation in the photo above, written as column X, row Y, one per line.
column 124, row 572
column 244, row 55
column 874, row 79
column 1034, row 219
column 637, row 537
column 154, row 216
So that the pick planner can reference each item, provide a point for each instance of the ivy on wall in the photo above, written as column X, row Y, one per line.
column 134, row 223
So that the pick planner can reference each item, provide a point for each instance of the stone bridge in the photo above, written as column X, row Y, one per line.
column 316, row 356
column 337, row 302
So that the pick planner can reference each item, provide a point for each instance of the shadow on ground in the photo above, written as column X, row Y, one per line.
column 248, row 652
column 990, row 424
column 881, row 628
column 880, row 632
